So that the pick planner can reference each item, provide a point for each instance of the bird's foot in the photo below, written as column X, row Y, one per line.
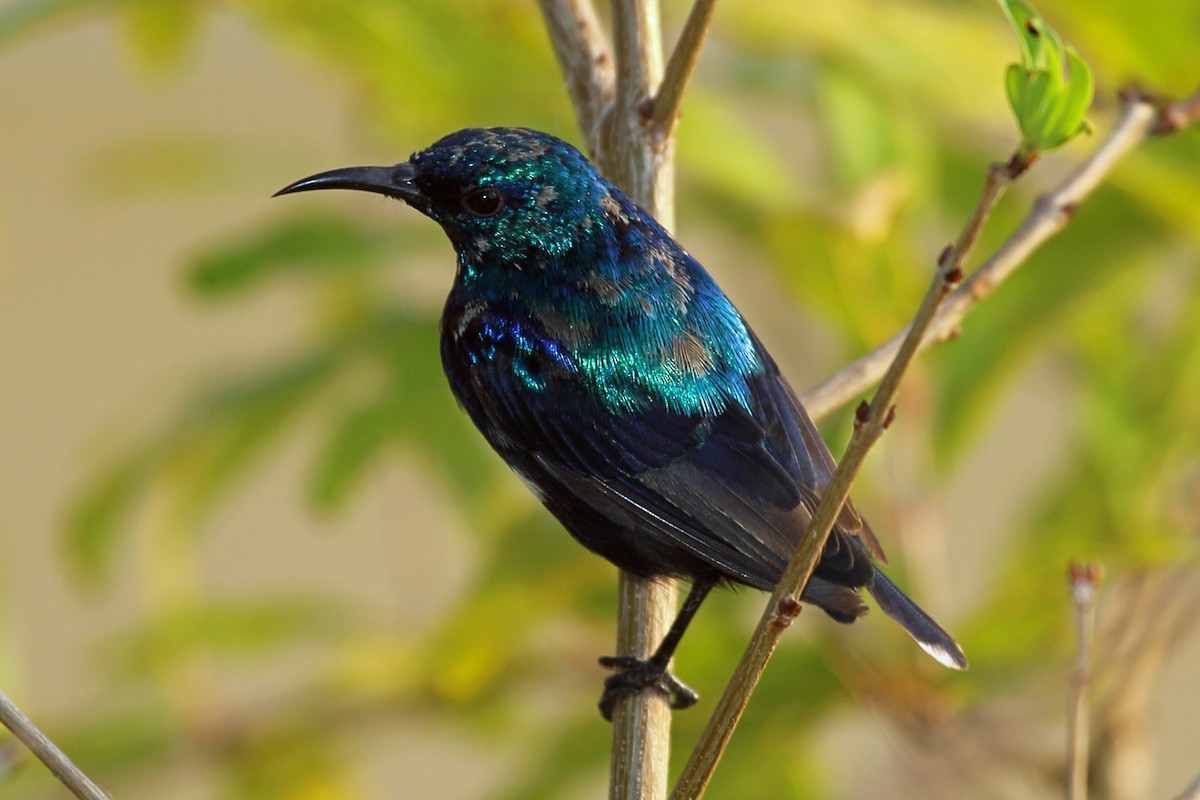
column 635, row 676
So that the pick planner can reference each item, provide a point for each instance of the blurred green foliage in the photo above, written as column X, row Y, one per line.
column 898, row 108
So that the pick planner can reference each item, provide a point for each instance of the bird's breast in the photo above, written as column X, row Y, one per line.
column 498, row 351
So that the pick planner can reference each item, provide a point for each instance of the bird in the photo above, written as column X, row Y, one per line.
column 612, row 374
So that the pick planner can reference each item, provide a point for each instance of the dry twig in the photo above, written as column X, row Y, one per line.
column 870, row 422
column 1139, row 119
column 1085, row 578
column 48, row 753
column 664, row 113
column 1150, row 614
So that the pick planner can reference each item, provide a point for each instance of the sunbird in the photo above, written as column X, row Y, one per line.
column 620, row 384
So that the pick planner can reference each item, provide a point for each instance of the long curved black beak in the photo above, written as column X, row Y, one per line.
column 395, row 181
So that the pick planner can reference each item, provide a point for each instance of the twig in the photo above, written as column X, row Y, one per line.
column 1177, row 116
column 585, row 61
column 870, row 422
column 1085, row 578
column 664, row 113
column 49, row 754
column 1152, row 613
column 1139, row 119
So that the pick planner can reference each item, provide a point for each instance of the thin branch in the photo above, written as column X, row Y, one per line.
column 1150, row 615
column 784, row 604
column 1138, row 119
column 934, row 321
column 49, row 754
column 870, row 422
column 664, row 113
column 643, row 166
column 1085, row 578
column 1177, row 116
column 586, row 63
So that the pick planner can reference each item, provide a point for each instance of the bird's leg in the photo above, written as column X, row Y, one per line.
column 637, row 675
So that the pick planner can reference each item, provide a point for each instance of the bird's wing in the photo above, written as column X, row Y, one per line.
column 802, row 436
column 735, row 489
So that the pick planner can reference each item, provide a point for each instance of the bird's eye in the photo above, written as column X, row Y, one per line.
column 483, row 202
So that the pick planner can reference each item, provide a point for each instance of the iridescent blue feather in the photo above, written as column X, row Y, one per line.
column 609, row 370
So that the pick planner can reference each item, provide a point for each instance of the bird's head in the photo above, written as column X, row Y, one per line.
column 504, row 194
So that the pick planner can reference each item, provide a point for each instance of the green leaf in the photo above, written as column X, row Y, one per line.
column 1016, row 82
column 1035, row 102
column 215, row 438
column 231, row 426
column 407, row 346
column 751, row 172
column 355, row 443
column 1078, row 97
column 314, row 246
column 1022, row 16
column 242, row 628
column 859, row 128
column 121, row 739
column 160, row 32
column 98, row 515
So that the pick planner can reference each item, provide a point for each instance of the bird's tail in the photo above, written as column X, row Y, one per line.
column 929, row 635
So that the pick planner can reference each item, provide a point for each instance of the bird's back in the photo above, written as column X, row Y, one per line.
column 624, row 387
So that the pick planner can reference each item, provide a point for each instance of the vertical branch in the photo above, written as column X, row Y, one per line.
column 641, row 736
column 644, row 168
column 637, row 160
column 585, row 61
column 614, row 99
column 1084, row 580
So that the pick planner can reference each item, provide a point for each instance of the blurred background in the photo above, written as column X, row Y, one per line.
column 249, row 548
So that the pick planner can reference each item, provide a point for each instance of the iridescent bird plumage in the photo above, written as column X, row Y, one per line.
column 608, row 369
